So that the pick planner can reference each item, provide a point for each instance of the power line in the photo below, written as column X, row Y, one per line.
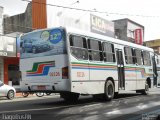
column 93, row 11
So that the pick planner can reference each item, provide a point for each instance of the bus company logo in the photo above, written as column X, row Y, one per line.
column 40, row 68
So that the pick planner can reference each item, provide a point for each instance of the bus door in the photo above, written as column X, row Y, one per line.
column 120, row 68
column 155, row 74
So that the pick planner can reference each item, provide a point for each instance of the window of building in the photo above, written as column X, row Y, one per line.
column 108, row 52
column 79, row 47
column 95, row 50
column 130, row 34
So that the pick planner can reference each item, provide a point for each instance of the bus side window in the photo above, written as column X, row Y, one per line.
column 78, row 47
column 146, row 58
column 95, row 50
column 108, row 52
column 129, row 57
column 139, row 57
column 134, row 55
column 76, row 41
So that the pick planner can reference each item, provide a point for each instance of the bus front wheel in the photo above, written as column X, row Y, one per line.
column 70, row 97
column 146, row 90
column 109, row 90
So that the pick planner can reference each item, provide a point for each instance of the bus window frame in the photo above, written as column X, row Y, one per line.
column 71, row 47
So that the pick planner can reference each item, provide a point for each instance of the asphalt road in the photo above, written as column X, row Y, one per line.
column 124, row 107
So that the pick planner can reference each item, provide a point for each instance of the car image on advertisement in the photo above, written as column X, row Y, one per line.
column 35, row 46
column 7, row 91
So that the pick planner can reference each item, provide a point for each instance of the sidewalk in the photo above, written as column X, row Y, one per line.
column 19, row 97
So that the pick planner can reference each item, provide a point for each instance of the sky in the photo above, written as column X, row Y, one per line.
column 144, row 12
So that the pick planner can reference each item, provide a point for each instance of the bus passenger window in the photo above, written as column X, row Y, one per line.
column 95, row 50
column 129, row 57
column 76, row 41
column 146, row 58
column 108, row 52
column 78, row 47
column 139, row 57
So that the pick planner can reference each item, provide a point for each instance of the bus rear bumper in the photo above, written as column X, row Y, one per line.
column 54, row 88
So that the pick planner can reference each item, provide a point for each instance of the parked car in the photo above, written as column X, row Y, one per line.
column 35, row 46
column 7, row 91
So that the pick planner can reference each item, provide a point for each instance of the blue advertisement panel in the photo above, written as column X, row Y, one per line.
column 43, row 43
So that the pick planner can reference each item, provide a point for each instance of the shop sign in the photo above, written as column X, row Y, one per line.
column 101, row 26
column 138, row 36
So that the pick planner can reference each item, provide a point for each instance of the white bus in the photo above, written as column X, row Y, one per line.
column 158, row 70
column 73, row 63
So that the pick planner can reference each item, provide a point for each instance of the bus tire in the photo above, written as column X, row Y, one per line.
column 39, row 94
column 48, row 93
column 25, row 94
column 146, row 90
column 109, row 90
column 70, row 97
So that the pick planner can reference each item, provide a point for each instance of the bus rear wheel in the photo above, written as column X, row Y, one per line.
column 70, row 97
column 109, row 90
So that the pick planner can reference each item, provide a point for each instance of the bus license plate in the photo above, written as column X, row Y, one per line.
column 41, row 87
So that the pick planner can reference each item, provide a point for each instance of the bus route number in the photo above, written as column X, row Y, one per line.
column 54, row 74
column 80, row 74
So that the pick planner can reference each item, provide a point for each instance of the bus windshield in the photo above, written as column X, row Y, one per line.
column 43, row 43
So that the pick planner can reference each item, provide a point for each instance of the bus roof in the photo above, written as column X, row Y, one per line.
column 110, row 39
column 98, row 36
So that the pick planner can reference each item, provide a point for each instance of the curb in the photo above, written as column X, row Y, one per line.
column 19, row 95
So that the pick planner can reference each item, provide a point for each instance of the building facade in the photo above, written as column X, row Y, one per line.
column 1, row 32
column 8, row 55
column 12, row 26
column 155, row 44
column 39, row 15
column 128, row 30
